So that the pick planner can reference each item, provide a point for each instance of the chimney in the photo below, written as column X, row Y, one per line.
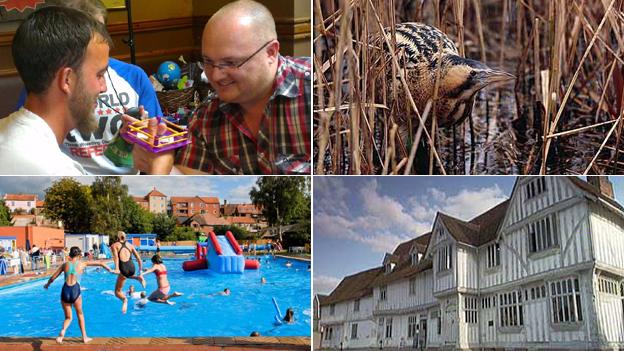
column 602, row 183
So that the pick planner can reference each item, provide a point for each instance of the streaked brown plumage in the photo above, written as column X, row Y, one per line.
column 460, row 78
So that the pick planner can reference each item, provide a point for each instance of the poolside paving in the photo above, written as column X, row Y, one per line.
column 158, row 344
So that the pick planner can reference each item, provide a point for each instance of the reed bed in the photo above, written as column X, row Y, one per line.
column 563, row 115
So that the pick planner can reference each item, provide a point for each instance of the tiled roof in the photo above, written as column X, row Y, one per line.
column 155, row 192
column 480, row 229
column 208, row 200
column 20, row 197
column 583, row 185
column 353, row 287
column 248, row 208
column 229, row 209
column 241, row 220
column 209, row 219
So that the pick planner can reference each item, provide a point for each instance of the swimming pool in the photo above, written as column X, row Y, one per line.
column 29, row 310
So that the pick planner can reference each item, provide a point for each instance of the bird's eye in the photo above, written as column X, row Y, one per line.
column 473, row 73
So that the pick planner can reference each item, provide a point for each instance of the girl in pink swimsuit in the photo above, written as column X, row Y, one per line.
column 162, row 293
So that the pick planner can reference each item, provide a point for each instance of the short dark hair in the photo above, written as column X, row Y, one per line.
column 51, row 38
column 156, row 259
column 74, row 251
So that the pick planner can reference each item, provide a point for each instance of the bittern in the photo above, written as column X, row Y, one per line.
column 429, row 55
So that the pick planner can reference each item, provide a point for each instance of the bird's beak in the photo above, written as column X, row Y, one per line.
column 493, row 77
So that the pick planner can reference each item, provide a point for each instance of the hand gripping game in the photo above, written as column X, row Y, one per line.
column 139, row 133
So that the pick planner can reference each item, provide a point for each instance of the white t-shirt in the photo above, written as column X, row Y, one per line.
column 126, row 85
column 28, row 146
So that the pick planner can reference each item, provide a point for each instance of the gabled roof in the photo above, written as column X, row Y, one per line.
column 229, row 209
column 155, row 192
column 480, row 229
column 405, row 268
column 353, row 287
column 20, row 197
column 209, row 219
column 248, row 209
column 583, row 185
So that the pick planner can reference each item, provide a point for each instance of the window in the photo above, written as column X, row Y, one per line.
column 414, row 258
column 535, row 187
column 566, row 301
column 383, row 290
column 471, row 309
column 536, row 293
column 328, row 335
column 389, row 267
column 543, row 234
column 412, row 286
column 411, row 326
column 356, row 305
column 389, row 328
column 332, row 309
column 493, row 255
column 607, row 286
column 510, row 309
column 445, row 258
column 354, row 331
column 439, row 322
column 488, row 302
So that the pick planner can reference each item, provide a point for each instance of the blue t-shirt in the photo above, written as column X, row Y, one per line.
column 128, row 86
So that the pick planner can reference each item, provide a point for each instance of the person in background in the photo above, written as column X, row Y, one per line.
column 34, row 257
column 290, row 316
column 70, row 293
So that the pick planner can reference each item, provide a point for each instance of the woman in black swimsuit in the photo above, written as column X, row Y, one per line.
column 124, row 266
column 70, row 294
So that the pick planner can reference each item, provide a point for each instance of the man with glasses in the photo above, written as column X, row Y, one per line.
column 260, row 122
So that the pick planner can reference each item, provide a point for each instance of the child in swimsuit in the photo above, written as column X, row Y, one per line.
column 70, row 293
column 162, row 293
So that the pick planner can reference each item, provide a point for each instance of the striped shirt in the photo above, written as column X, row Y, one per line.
column 222, row 144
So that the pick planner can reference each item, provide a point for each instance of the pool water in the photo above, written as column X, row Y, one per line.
column 29, row 310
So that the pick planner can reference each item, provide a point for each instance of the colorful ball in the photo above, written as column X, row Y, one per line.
column 168, row 74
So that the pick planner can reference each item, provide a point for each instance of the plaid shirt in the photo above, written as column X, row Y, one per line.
column 222, row 144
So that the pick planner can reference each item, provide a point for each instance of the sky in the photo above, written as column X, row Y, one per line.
column 358, row 219
column 234, row 189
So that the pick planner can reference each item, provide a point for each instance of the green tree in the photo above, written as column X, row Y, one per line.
column 282, row 199
column 164, row 225
column 68, row 201
column 108, row 195
column 238, row 232
column 182, row 233
column 136, row 218
column 5, row 214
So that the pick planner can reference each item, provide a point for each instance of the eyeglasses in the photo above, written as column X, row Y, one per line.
column 233, row 65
